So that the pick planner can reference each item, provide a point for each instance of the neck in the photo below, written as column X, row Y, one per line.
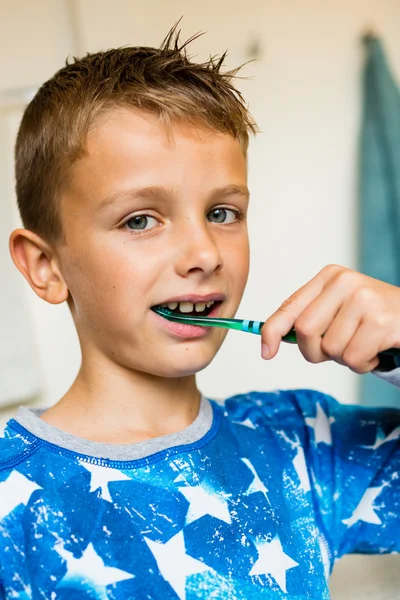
column 110, row 403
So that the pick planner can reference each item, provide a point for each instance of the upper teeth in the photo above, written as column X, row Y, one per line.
column 187, row 307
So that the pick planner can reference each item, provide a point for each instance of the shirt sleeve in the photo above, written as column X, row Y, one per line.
column 391, row 375
column 353, row 458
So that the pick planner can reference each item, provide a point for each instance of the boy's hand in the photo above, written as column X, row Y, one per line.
column 359, row 317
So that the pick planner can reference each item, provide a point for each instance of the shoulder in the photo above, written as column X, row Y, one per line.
column 315, row 415
column 285, row 414
column 14, row 447
column 278, row 406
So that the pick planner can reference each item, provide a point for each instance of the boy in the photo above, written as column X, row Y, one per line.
column 131, row 183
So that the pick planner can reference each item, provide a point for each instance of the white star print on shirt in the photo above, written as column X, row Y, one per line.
column 90, row 568
column 205, row 501
column 174, row 564
column 101, row 477
column 299, row 463
column 321, row 426
column 382, row 438
column 246, row 423
column 16, row 489
column 256, row 485
column 273, row 561
column 365, row 510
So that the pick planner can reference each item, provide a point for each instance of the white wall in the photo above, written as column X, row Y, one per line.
column 19, row 368
column 305, row 95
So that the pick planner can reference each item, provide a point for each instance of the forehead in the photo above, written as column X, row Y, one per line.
column 133, row 148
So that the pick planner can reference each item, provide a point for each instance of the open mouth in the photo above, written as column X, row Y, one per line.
column 198, row 309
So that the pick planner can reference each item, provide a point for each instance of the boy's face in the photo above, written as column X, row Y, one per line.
column 142, row 228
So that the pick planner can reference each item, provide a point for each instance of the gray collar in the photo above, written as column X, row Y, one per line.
column 30, row 419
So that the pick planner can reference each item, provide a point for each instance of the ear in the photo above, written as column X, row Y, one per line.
column 36, row 260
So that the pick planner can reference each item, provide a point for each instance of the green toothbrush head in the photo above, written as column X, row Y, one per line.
column 169, row 314
column 163, row 311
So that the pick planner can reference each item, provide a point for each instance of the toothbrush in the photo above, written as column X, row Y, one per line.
column 238, row 324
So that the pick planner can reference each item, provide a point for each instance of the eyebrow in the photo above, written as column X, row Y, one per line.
column 162, row 193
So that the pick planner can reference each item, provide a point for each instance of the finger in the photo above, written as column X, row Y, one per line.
column 361, row 307
column 317, row 319
column 361, row 354
column 283, row 319
column 341, row 330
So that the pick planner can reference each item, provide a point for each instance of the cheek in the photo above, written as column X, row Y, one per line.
column 105, row 283
column 114, row 283
column 238, row 257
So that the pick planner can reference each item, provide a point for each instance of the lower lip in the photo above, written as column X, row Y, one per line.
column 182, row 330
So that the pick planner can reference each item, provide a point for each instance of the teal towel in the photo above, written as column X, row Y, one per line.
column 379, row 190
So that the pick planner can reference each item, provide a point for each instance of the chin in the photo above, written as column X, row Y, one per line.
column 185, row 367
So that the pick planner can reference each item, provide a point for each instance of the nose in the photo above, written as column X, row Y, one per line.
column 198, row 250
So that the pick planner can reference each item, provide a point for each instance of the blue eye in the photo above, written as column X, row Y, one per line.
column 221, row 216
column 144, row 222
column 140, row 222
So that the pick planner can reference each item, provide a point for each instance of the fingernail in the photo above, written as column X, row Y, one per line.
column 264, row 350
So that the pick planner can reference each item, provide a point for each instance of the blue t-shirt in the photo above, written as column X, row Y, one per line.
column 255, row 499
